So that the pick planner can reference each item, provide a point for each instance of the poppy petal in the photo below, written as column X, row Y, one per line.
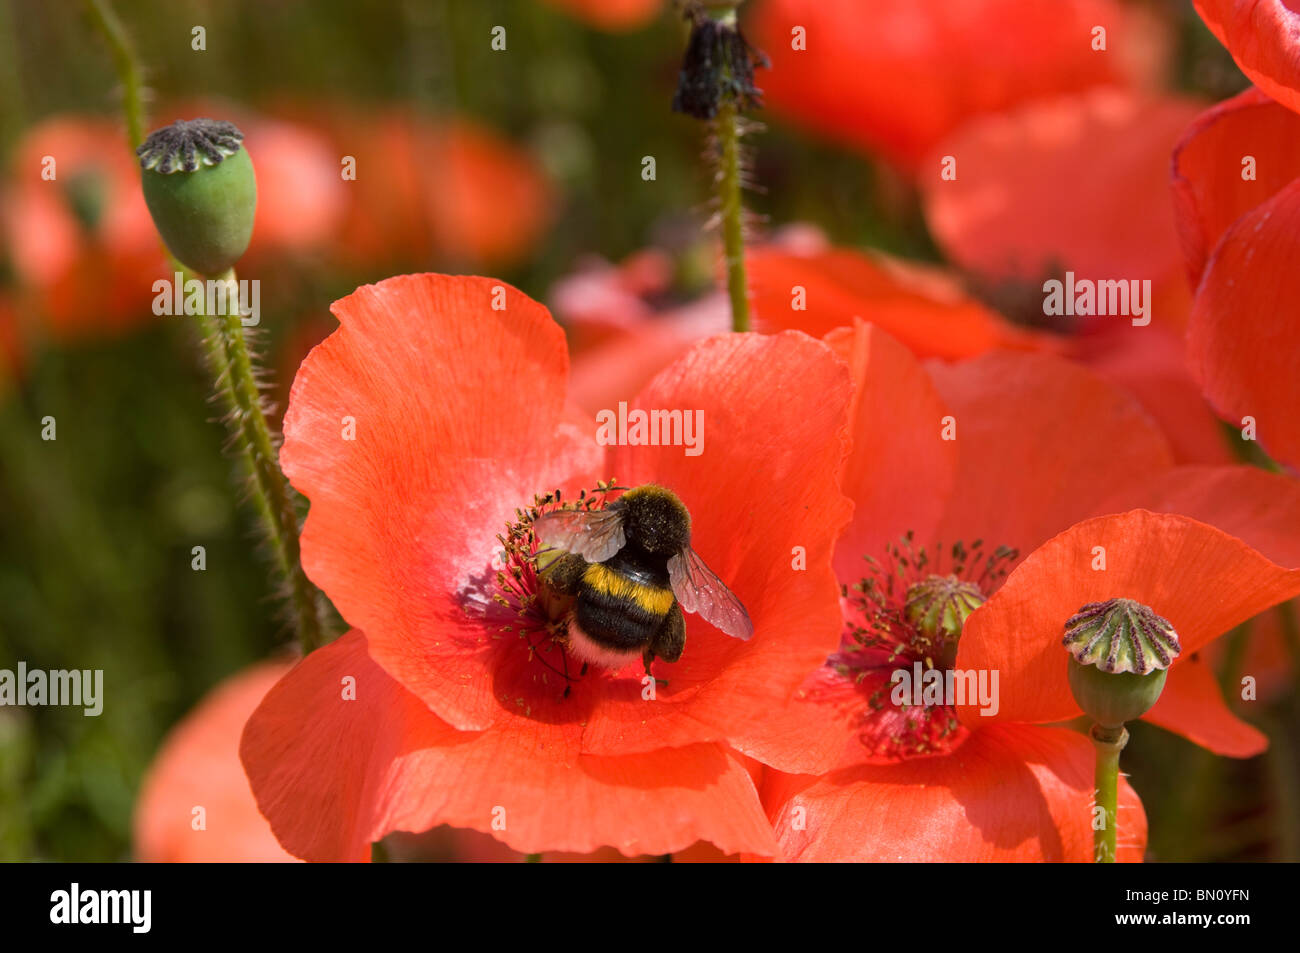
column 1005, row 215
column 1192, row 705
column 1260, row 508
column 198, row 767
column 766, row 507
column 1151, row 365
column 1023, row 476
column 1010, row 793
column 896, row 422
column 895, row 76
column 1235, row 155
column 1201, row 579
column 1263, row 37
column 410, row 485
column 923, row 308
column 1244, row 324
column 334, row 774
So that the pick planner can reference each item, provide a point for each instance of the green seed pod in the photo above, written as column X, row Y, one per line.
column 201, row 191
column 1113, row 698
column 938, row 606
column 1120, row 652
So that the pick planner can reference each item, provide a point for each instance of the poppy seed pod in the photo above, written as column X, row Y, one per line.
column 1119, row 655
column 201, row 191
column 939, row 606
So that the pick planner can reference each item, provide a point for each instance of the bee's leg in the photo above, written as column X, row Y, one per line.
column 565, row 573
column 583, row 670
column 669, row 641
column 648, row 657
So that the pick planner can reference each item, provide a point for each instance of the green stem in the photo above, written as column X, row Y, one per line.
column 1109, row 742
column 233, row 362
column 732, row 212
column 128, row 68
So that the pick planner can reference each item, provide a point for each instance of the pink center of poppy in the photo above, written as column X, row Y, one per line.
column 536, row 615
column 906, row 616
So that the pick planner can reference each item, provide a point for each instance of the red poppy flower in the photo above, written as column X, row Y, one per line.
column 1220, row 582
column 1066, row 185
column 466, row 711
column 78, row 230
column 1263, row 37
column 1237, row 191
column 897, row 76
column 1007, row 218
column 1040, row 444
column 198, row 767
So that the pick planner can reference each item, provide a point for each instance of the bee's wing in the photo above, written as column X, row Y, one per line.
column 699, row 590
column 595, row 535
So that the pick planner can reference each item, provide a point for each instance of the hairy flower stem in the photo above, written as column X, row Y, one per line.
column 1109, row 742
column 271, row 492
column 233, row 374
column 732, row 212
column 128, row 67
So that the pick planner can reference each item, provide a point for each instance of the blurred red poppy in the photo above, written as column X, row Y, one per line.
column 1066, row 185
column 83, row 246
column 1007, row 218
column 896, row 76
column 1236, row 181
column 195, row 805
column 446, row 189
column 464, row 709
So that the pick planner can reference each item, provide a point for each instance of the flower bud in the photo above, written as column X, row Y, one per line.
column 1119, row 655
column 201, row 191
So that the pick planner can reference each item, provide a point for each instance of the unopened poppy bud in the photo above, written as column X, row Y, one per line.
column 201, row 191
column 938, row 608
column 1119, row 653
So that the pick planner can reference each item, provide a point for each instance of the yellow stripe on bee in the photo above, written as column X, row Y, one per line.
column 653, row 599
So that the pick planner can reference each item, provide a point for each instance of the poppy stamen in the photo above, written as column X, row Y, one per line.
column 908, row 611
column 539, row 616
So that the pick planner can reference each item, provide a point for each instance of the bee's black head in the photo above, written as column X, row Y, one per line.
column 656, row 520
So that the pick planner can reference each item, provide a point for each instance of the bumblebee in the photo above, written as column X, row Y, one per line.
column 631, row 571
